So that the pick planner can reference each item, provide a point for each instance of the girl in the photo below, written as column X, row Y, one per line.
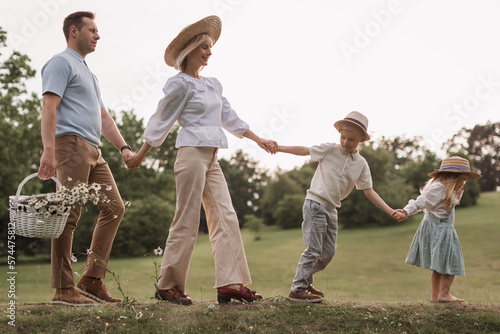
column 436, row 245
column 197, row 104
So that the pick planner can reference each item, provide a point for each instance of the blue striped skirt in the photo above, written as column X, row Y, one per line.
column 436, row 246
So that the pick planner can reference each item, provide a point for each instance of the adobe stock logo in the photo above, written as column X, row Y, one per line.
column 223, row 6
column 32, row 24
column 364, row 36
column 153, row 79
column 457, row 115
column 278, row 121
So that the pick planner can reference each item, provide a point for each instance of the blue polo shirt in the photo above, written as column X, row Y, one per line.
column 79, row 112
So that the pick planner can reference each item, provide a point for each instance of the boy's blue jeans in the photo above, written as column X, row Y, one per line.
column 319, row 230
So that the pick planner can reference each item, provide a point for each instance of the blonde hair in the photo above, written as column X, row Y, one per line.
column 452, row 184
column 193, row 43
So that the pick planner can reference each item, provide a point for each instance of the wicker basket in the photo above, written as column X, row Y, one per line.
column 28, row 222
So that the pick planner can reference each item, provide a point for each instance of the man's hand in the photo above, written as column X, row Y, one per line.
column 47, row 167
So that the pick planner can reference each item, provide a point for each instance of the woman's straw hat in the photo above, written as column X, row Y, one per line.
column 357, row 119
column 455, row 164
column 210, row 25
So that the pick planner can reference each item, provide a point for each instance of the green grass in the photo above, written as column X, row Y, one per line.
column 367, row 273
column 275, row 316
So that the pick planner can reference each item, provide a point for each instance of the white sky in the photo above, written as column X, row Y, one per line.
column 291, row 68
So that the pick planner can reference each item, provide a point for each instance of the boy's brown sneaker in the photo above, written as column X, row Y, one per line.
column 315, row 291
column 174, row 295
column 70, row 297
column 304, row 296
column 95, row 289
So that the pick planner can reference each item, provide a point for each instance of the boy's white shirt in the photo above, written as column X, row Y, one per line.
column 337, row 174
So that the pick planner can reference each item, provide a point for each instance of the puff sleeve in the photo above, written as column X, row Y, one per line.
column 230, row 120
column 430, row 199
column 167, row 112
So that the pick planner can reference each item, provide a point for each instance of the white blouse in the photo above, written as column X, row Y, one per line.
column 432, row 201
column 200, row 109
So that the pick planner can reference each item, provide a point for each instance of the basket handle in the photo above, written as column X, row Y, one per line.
column 29, row 177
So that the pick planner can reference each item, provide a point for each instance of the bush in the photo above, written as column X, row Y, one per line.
column 254, row 224
column 144, row 226
column 288, row 213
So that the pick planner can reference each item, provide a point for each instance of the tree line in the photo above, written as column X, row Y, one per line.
column 399, row 168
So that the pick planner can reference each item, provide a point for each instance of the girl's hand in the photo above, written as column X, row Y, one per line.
column 400, row 215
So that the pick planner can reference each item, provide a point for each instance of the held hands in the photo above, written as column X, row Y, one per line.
column 133, row 161
column 400, row 215
column 268, row 145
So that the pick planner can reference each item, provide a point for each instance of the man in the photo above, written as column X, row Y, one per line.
column 73, row 119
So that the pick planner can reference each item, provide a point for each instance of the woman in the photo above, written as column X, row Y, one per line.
column 197, row 103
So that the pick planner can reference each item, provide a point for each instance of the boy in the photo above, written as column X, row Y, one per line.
column 340, row 168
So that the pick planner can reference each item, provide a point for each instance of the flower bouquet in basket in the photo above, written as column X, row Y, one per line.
column 45, row 215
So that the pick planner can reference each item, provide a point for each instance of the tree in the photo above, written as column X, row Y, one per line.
column 254, row 224
column 404, row 149
column 415, row 173
column 482, row 144
column 288, row 213
column 357, row 210
column 246, row 183
column 275, row 191
column 20, row 135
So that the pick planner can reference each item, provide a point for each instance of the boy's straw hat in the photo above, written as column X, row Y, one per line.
column 455, row 164
column 357, row 119
column 211, row 25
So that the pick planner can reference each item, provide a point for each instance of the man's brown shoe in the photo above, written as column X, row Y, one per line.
column 315, row 291
column 304, row 296
column 71, row 297
column 225, row 294
column 95, row 289
column 174, row 295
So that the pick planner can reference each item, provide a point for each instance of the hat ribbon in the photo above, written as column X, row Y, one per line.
column 356, row 121
column 459, row 168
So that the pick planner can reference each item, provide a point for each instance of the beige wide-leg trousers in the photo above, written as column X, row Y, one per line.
column 199, row 179
column 81, row 161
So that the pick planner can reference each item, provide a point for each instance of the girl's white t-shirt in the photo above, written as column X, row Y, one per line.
column 432, row 200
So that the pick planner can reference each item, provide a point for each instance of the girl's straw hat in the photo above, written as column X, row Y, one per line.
column 456, row 164
column 210, row 25
column 357, row 119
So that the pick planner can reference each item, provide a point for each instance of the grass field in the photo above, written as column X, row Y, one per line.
column 369, row 288
column 368, row 267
